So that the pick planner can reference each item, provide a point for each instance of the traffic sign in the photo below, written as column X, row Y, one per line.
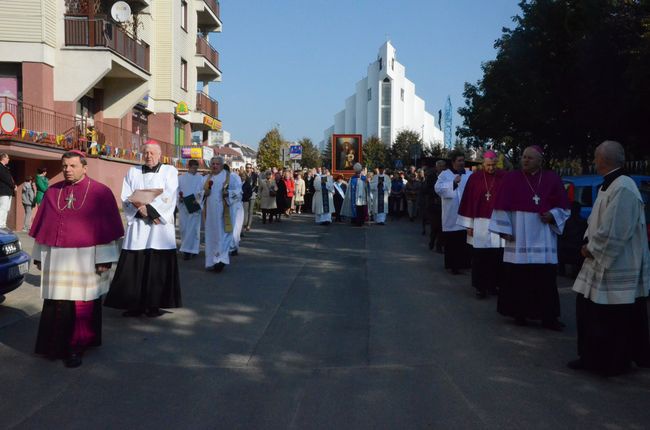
column 295, row 152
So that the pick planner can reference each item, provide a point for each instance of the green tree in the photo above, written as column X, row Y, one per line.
column 311, row 157
column 375, row 153
column 406, row 142
column 326, row 155
column 567, row 76
column 268, row 152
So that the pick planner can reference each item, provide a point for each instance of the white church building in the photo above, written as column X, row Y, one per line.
column 384, row 104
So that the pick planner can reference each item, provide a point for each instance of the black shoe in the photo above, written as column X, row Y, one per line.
column 431, row 245
column 186, row 256
column 481, row 294
column 73, row 360
column 218, row 267
column 154, row 312
column 132, row 313
column 576, row 364
column 233, row 253
column 644, row 363
column 554, row 325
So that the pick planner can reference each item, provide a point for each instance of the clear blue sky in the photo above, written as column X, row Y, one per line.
column 294, row 62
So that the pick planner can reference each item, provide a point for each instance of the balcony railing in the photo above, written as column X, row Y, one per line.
column 82, row 31
column 214, row 6
column 44, row 127
column 207, row 105
column 204, row 48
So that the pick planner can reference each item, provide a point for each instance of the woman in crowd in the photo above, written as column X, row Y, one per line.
column 412, row 191
column 291, row 187
column 299, row 194
column 42, row 184
column 280, row 196
column 29, row 201
column 268, row 191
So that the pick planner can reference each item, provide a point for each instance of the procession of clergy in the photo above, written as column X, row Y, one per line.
column 504, row 225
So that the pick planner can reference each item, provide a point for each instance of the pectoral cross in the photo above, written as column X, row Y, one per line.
column 536, row 199
column 70, row 199
column 487, row 196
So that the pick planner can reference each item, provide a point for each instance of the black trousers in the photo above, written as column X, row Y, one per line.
column 457, row 251
column 612, row 336
column 529, row 291
column 487, row 268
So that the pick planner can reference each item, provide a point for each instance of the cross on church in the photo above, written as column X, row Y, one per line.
column 536, row 199
column 70, row 199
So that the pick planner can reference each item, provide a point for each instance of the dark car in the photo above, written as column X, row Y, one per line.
column 14, row 263
column 584, row 189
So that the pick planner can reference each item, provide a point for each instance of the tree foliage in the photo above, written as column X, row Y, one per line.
column 326, row 155
column 405, row 143
column 375, row 153
column 569, row 75
column 268, row 152
column 311, row 157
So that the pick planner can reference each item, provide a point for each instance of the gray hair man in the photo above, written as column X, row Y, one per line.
column 612, row 286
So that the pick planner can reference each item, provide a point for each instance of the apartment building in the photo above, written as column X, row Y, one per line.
column 72, row 77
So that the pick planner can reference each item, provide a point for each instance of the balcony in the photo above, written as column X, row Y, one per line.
column 207, row 105
column 209, row 69
column 92, row 33
column 46, row 128
column 208, row 16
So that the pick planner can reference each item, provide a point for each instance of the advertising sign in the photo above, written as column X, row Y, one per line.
column 182, row 108
column 193, row 152
column 214, row 124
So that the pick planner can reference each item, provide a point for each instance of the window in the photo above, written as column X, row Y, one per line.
column 401, row 94
column 392, row 64
column 380, row 63
column 184, row 15
column 184, row 74
column 369, row 94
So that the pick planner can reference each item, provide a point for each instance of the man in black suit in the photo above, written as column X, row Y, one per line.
column 7, row 189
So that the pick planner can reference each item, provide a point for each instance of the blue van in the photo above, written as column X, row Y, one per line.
column 584, row 190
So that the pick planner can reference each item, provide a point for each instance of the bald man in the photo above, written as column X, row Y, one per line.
column 529, row 213
column 147, row 277
column 612, row 286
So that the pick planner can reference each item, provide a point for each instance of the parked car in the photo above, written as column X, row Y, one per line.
column 14, row 263
column 584, row 189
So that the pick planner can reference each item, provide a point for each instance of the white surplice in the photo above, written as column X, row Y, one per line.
column 141, row 234
column 317, row 201
column 190, row 223
column 535, row 242
column 450, row 198
column 69, row 273
column 619, row 273
column 218, row 243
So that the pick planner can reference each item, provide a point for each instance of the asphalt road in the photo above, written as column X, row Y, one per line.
column 315, row 327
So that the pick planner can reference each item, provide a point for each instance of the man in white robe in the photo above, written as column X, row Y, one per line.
column 612, row 287
column 529, row 213
column 76, row 241
column 450, row 187
column 380, row 190
column 323, row 200
column 355, row 203
column 238, row 215
column 223, row 191
column 147, row 277
column 190, row 204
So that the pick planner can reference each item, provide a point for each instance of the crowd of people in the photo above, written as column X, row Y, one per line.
column 503, row 225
